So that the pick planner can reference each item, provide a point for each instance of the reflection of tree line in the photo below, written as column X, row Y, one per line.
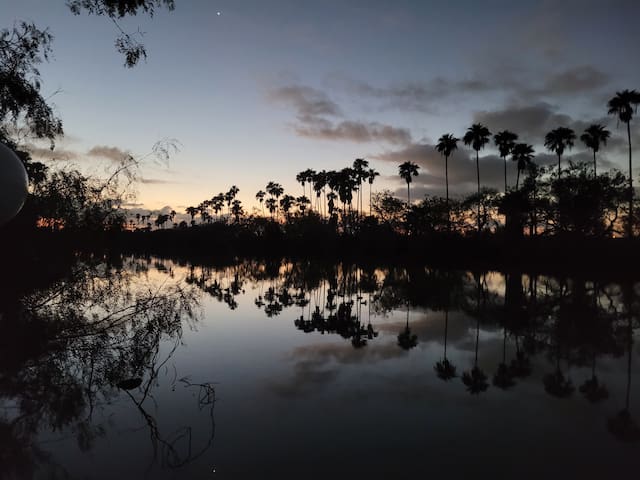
column 70, row 350
column 572, row 322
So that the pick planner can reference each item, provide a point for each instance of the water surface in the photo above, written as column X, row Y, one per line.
column 149, row 368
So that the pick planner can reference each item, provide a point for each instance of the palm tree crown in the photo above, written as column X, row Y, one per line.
column 505, row 141
column 521, row 153
column 559, row 139
column 593, row 136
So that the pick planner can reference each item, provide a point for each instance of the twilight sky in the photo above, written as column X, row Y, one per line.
column 271, row 87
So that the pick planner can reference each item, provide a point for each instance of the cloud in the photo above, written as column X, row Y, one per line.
column 114, row 154
column 360, row 132
column 510, row 80
column 307, row 101
column 156, row 181
column 57, row 154
column 576, row 80
column 314, row 111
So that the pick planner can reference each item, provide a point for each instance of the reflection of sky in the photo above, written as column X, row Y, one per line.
column 423, row 67
column 312, row 405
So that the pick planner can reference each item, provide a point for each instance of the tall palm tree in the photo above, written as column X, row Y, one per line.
column 521, row 153
column 624, row 104
column 559, row 139
column 371, row 176
column 505, row 141
column 444, row 368
column 192, row 212
column 593, row 136
column 260, row 197
column 360, row 166
column 446, row 145
column 406, row 170
column 477, row 136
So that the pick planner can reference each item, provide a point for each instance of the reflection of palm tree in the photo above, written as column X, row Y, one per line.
column 445, row 369
column 476, row 379
column 592, row 389
column 503, row 378
column 406, row 339
column 622, row 425
column 592, row 137
column 623, row 105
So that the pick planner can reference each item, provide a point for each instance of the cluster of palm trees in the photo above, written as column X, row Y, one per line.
column 321, row 190
column 558, row 140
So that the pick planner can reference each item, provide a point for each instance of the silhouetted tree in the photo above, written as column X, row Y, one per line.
column 446, row 145
column 593, row 136
column 477, row 136
column 558, row 140
column 521, row 153
column 371, row 176
column 260, row 197
column 505, row 141
column 624, row 104
column 406, row 170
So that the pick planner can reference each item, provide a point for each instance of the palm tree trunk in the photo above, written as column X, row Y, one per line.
column 370, row 197
column 630, row 227
column 408, row 195
column 446, row 181
column 559, row 165
column 505, row 174
column 594, row 165
column 478, row 175
column 517, row 179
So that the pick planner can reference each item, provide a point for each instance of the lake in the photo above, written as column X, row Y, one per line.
column 142, row 367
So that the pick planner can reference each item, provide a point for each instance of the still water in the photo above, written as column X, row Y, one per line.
column 150, row 368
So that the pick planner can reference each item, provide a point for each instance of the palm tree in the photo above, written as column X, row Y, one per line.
column 360, row 166
column 230, row 196
column 237, row 210
column 192, row 212
column 260, row 197
column 624, row 105
column 521, row 153
column 505, row 141
column 559, row 139
column 275, row 190
column 371, row 176
column 447, row 143
column 286, row 202
column 592, row 137
column 477, row 136
column 406, row 170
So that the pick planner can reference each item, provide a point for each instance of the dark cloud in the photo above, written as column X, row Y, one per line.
column 307, row 101
column 425, row 96
column 576, row 80
column 361, row 132
column 114, row 154
column 313, row 107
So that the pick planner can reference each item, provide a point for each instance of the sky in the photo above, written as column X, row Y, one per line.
column 266, row 89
